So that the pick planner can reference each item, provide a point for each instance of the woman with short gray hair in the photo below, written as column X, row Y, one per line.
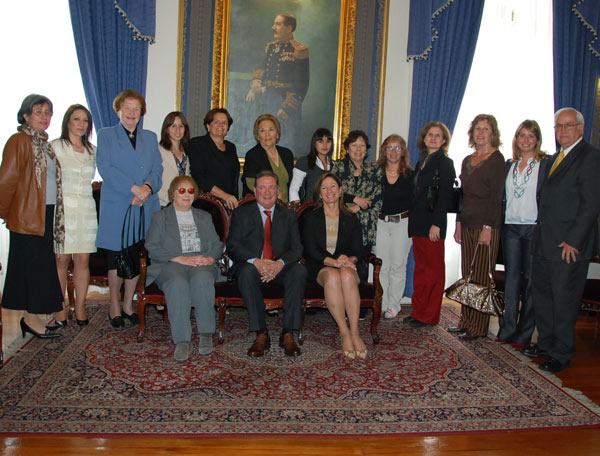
column 32, row 208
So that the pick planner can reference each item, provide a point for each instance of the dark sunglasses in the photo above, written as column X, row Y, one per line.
column 182, row 190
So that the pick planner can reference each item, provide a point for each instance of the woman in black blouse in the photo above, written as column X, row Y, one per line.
column 267, row 155
column 214, row 161
column 427, row 223
column 393, row 243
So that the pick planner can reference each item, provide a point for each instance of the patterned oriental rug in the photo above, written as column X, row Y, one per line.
column 97, row 380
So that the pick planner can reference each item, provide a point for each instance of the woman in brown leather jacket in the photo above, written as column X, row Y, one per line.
column 31, row 206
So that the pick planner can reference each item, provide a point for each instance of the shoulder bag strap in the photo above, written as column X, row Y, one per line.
column 126, row 220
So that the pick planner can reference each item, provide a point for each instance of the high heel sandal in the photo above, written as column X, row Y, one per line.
column 82, row 322
column 362, row 354
column 350, row 354
column 25, row 328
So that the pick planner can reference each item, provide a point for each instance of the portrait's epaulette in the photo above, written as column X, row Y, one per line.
column 300, row 50
column 272, row 43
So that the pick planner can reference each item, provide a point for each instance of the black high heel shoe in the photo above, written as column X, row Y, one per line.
column 58, row 324
column 25, row 328
column 133, row 318
column 116, row 322
column 82, row 322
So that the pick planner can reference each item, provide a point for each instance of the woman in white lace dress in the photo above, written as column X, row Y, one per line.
column 77, row 157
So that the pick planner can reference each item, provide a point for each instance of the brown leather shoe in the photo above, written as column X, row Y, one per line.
column 261, row 343
column 288, row 344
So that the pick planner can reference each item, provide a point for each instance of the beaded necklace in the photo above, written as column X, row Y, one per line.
column 520, row 188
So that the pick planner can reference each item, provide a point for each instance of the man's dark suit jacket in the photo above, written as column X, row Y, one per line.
column 247, row 235
column 569, row 205
column 314, row 236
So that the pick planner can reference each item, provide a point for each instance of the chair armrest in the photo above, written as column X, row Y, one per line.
column 224, row 264
column 375, row 261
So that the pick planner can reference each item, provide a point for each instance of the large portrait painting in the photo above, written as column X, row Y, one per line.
column 280, row 57
column 310, row 63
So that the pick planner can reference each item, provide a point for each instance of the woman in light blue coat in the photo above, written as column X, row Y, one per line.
column 131, row 168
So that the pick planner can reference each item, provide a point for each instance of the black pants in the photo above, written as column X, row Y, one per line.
column 293, row 279
column 557, row 288
column 518, row 322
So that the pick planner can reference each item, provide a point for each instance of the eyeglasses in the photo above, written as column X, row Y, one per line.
column 40, row 112
column 391, row 148
column 182, row 190
column 567, row 126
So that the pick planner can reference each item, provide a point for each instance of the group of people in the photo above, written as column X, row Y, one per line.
column 360, row 206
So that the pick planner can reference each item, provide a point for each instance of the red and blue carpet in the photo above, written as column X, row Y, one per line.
column 97, row 380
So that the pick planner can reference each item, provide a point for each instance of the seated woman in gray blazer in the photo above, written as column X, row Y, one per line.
column 183, row 245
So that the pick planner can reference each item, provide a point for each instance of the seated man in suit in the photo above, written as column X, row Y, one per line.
column 564, row 241
column 264, row 244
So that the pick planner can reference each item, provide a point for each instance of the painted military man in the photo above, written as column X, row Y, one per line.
column 281, row 81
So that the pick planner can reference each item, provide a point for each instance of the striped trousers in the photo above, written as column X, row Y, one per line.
column 475, row 322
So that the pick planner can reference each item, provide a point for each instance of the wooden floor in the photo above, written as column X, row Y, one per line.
column 583, row 375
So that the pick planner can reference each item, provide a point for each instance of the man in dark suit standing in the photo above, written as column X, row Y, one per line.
column 259, row 260
column 565, row 239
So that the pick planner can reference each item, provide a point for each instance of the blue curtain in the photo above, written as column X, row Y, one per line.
column 442, row 38
column 111, row 39
column 577, row 56
column 441, row 41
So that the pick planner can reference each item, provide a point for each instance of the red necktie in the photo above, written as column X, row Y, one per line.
column 267, row 248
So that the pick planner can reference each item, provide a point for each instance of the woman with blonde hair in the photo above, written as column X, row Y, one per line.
column 527, row 172
column 267, row 155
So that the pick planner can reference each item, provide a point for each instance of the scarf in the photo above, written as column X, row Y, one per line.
column 41, row 149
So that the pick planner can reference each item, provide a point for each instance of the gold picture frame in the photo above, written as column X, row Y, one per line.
column 345, row 65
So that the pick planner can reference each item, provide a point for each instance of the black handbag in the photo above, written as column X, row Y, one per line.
column 433, row 191
column 455, row 201
column 128, row 259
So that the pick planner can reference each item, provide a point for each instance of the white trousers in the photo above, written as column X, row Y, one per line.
column 393, row 246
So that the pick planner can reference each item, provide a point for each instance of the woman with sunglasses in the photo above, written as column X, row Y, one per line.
column 183, row 245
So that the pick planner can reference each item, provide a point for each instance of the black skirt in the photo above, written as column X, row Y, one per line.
column 31, row 276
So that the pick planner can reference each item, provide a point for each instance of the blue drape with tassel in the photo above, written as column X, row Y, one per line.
column 441, row 41
column 111, row 39
column 577, row 56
